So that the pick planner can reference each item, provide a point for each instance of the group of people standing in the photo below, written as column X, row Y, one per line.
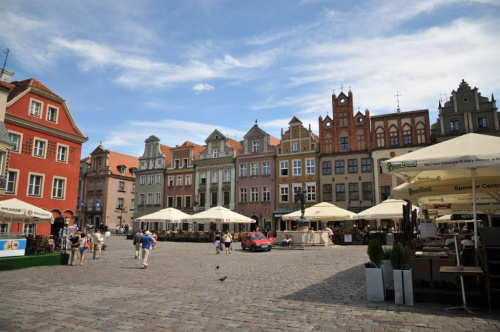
column 80, row 242
column 222, row 242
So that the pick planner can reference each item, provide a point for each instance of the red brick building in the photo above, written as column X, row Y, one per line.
column 45, row 156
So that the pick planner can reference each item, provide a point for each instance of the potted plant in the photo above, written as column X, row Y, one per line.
column 387, row 269
column 373, row 272
column 403, row 281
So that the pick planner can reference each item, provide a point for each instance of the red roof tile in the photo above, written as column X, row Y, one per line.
column 235, row 145
column 168, row 154
column 273, row 140
column 21, row 86
column 118, row 159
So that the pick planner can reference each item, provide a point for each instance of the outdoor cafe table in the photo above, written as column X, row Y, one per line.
column 463, row 270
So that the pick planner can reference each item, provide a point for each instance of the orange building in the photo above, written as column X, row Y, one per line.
column 45, row 156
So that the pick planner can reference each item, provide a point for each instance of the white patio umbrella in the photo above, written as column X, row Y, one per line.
column 322, row 212
column 388, row 209
column 15, row 210
column 447, row 219
column 168, row 215
column 222, row 215
column 467, row 156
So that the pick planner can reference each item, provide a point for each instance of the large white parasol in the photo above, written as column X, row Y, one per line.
column 464, row 157
column 15, row 210
column 222, row 215
column 168, row 215
column 322, row 212
column 388, row 209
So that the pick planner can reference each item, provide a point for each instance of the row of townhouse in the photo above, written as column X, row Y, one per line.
column 260, row 175
column 40, row 150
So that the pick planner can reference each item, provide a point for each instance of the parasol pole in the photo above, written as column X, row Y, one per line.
column 474, row 211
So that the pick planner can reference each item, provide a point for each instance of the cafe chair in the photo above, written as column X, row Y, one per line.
column 489, row 259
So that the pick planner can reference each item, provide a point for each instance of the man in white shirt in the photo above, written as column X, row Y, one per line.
column 98, row 240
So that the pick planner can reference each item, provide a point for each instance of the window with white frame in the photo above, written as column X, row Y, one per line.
column 179, row 201
column 188, row 180
column 243, row 195
column 215, row 176
column 39, row 148
column 296, row 188
column 52, row 114
column 151, row 179
column 121, row 186
column 284, row 168
column 227, row 175
column 266, row 194
column 58, row 188
column 120, row 203
column 170, row 181
column 11, row 187
column 157, row 198
column 297, row 167
column 184, row 162
column 310, row 166
column 254, row 169
column 266, row 167
column 150, row 199
column 90, row 203
column 254, row 194
column 29, row 229
column 157, row 178
column 187, row 201
column 16, row 142
column 179, row 180
column 255, row 146
column 62, row 153
column 215, row 153
column 142, row 199
column 284, row 193
column 177, row 163
column 142, row 180
column 243, row 170
column 311, row 192
column 454, row 125
column 482, row 123
column 35, row 185
column 203, row 178
column 295, row 146
column 35, row 108
column 132, row 204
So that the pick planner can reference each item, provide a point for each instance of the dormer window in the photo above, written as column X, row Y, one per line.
column 216, row 153
column 122, row 169
column 255, row 146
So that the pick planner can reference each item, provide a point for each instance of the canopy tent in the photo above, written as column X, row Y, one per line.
column 464, row 157
column 15, row 210
column 447, row 219
column 168, row 215
column 322, row 212
column 388, row 209
column 220, row 214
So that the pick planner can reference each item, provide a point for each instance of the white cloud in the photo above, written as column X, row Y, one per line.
column 200, row 87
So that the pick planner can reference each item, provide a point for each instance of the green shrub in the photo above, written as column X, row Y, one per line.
column 399, row 256
column 375, row 251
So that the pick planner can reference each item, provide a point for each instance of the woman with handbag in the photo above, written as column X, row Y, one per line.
column 82, row 246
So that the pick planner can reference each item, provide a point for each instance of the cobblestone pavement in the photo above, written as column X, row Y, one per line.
column 281, row 290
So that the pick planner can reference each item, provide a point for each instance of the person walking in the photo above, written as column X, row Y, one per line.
column 217, row 242
column 98, row 240
column 155, row 237
column 82, row 246
column 146, row 241
column 137, row 243
column 74, row 248
column 228, row 239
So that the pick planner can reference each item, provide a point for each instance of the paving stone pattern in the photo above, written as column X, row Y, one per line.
column 317, row 289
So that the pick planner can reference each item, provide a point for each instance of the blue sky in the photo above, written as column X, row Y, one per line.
column 181, row 69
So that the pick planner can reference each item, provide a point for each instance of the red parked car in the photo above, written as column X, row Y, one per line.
column 256, row 241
